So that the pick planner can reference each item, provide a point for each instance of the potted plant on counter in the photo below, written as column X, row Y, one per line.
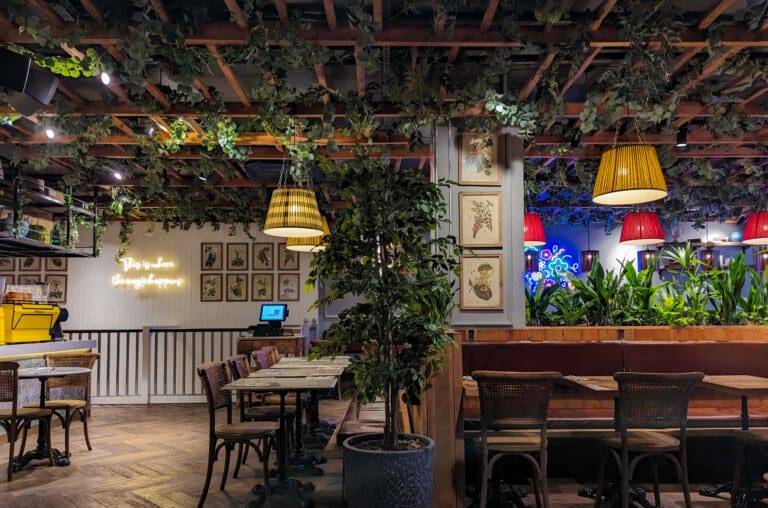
column 385, row 253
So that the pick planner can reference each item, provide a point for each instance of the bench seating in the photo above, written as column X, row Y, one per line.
column 572, row 408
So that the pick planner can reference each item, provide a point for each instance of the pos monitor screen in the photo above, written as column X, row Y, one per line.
column 273, row 313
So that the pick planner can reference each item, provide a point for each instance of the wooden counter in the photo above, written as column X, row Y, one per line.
column 286, row 344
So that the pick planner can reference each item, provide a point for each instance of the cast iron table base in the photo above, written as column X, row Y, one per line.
column 612, row 494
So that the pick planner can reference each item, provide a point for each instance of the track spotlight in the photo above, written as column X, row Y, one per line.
column 118, row 175
column 682, row 137
column 105, row 77
column 50, row 133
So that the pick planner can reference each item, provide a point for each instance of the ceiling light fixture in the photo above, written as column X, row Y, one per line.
column 588, row 256
column 310, row 243
column 641, row 228
column 533, row 230
column 682, row 137
column 293, row 213
column 202, row 178
column 50, row 133
column 756, row 229
column 629, row 175
column 105, row 77
column 118, row 175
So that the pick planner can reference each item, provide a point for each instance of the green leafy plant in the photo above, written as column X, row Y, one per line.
column 569, row 310
column 383, row 251
column 726, row 291
column 537, row 304
column 638, row 293
column 599, row 293
column 670, row 309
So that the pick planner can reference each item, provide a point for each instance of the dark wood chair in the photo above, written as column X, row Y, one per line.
column 513, row 421
column 257, row 435
column 14, row 418
column 66, row 410
column 649, row 401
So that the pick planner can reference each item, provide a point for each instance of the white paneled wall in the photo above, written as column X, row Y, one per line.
column 94, row 304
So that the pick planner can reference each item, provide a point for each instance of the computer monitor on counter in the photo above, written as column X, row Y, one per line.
column 272, row 316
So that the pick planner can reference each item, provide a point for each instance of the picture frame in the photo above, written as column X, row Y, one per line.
column 480, row 216
column 263, row 255
column 288, row 287
column 29, row 264
column 7, row 264
column 482, row 286
column 262, row 287
column 479, row 159
column 30, row 278
column 57, row 287
column 287, row 259
column 237, row 287
column 237, row 257
column 9, row 278
column 211, row 256
column 56, row 264
column 211, row 287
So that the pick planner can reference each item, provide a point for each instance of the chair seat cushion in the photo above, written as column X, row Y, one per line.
column 644, row 441
column 25, row 412
column 246, row 430
column 61, row 404
column 514, row 441
column 267, row 412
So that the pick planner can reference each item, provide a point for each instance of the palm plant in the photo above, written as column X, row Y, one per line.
column 599, row 293
column 755, row 306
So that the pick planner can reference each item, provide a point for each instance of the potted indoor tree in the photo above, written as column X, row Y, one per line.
column 385, row 253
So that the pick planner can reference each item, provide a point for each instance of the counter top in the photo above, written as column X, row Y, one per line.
column 38, row 349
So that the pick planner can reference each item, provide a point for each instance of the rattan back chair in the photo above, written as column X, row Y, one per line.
column 14, row 418
column 66, row 410
column 273, row 355
column 255, row 363
column 512, row 404
column 649, row 401
column 257, row 435
column 261, row 357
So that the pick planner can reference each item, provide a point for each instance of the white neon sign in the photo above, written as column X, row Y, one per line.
column 141, row 280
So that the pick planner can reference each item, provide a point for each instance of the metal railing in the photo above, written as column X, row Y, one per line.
column 154, row 364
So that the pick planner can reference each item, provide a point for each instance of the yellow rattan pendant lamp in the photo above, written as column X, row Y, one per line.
column 629, row 175
column 309, row 243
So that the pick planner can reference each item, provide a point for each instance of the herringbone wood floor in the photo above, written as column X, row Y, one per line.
column 155, row 456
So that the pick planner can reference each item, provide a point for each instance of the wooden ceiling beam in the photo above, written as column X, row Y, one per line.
column 230, row 34
column 742, row 107
column 728, row 152
column 162, row 13
column 488, row 15
column 322, row 81
column 378, row 14
column 238, row 16
column 684, row 57
column 282, row 10
column 330, row 15
column 94, row 12
column 534, row 80
column 709, row 68
column 257, row 153
column 359, row 73
column 73, row 96
column 605, row 9
column 695, row 137
column 229, row 75
column 122, row 126
column 714, row 13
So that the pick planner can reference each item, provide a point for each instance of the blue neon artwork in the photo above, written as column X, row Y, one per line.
column 554, row 263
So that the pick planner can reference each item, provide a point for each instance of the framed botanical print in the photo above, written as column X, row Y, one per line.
column 263, row 256
column 237, row 256
column 262, row 287
column 480, row 214
column 481, row 282
column 56, row 264
column 237, row 287
column 287, row 259
column 479, row 161
column 57, row 288
column 211, row 287
column 211, row 257
column 28, row 278
column 288, row 287
column 29, row 264
column 7, row 264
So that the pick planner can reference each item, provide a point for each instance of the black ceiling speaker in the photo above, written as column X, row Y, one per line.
column 26, row 90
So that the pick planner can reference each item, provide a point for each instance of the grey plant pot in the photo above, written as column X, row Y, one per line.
column 388, row 479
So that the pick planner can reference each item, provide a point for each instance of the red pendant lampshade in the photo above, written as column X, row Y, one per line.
column 641, row 228
column 756, row 230
column 533, row 230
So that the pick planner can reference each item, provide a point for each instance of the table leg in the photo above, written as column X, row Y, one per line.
column 41, row 452
column 282, row 487
column 301, row 462
column 716, row 490
column 744, row 412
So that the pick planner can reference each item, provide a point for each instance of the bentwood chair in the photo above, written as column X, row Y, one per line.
column 66, row 410
column 649, row 401
column 257, row 435
column 14, row 418
column 513, row 421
